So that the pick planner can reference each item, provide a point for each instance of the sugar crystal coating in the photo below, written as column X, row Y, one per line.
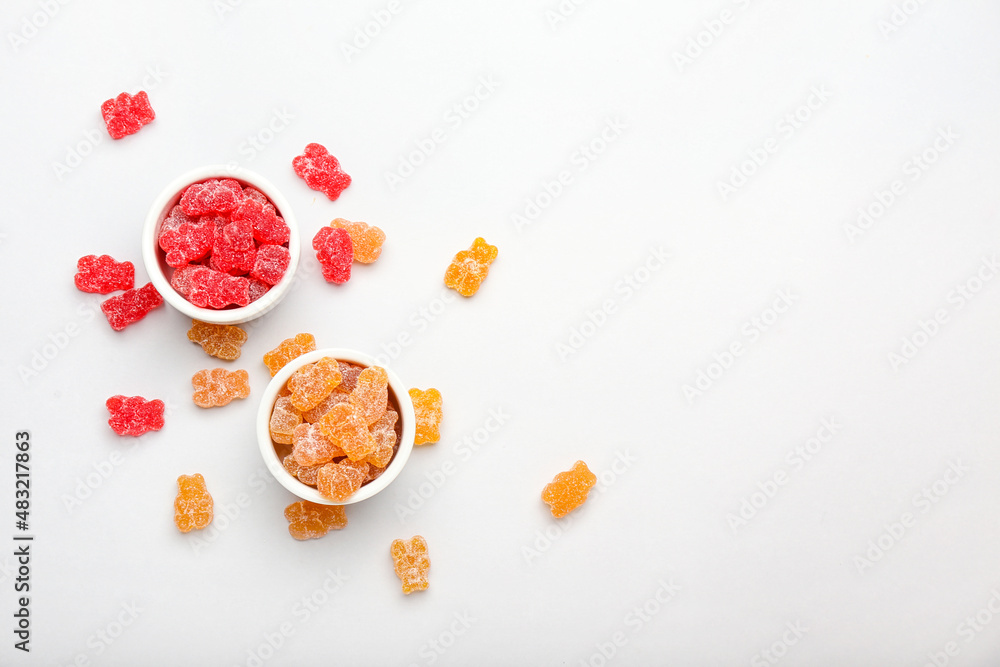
column 208, row 288
column 222, row 341
column 309, row 521
column 346, row 428
column 384, row 434
column 470, row 267
column 411, row 563
column 321, row 171
column 233, row 249
column 131, row 306
column 211, row 196
column 185, row 238
column 311, row 447
column 305, row 474
column 289, row 349
column 218, row 387
column 371, row 394
column 335, row 252
column 193, row 505
column 270, row 264
column 339, row 481
column 568, row 490
column 126, row 114
column 268, row 228
column 427, row 409
column 314, row 382
column 284, row 419
column 336, row 396
column 349, row 376
column 134, row 415
column 366, row 239
column 103, row 275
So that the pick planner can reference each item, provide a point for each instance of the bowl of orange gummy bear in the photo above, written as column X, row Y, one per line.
column 335, row 428
column 220, row 244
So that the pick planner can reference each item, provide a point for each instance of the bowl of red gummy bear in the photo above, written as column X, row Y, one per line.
column 220, row 244
column 333, row 427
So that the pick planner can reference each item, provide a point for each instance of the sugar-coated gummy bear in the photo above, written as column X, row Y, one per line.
column 309, row 521
column 131, row 306
column 411, row 563
column 321, row 171
column 340, row 481
column 384, row 433
column 126, row 114
column 233, row 250
column 103, row 275
column 335, row 252
column 305, row 474
column 223, row 341
column 427, row 409
column 181, row 279
column 212, row 196
column 371, row 395
column 289, row 349
column 314, row 382
column 257, row 289
column 336, row 396
column 470, row 267
column 347, row 429
column 134, row 415
column 218, row 387
column 193, row 505
column 270, row 264
column 311, row 447
column 568, row 490
column 268, row 227
column 284, row 419
column 349, row 376
column 185, row 238
column 366, row 239
column 209, row 288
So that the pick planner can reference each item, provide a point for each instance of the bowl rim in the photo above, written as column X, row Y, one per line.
column 152, row 256
column 270, row 456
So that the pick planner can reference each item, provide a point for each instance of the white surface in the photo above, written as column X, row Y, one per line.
column 216, row 79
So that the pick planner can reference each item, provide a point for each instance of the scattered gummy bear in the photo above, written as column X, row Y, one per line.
column 314, row 382
column 427, row 409
column 339, row 481
column 134, row 415
column 347, row 429
column 130, row 307
column 126, row 114
column 103, row 275
column 371, row 394
column 308, row 521
column 289, row 349
column 335, row 252
column 193, row 505
column 218, row 387
column 321, row 171
column 366, row 239
column 470, row 267
column 411, row 563
column 569, row 489
column 222, row 341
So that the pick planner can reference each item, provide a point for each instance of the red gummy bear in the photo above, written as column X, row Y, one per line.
column 130, row 307
column 268, row 228
column 321, row 171
column 134, row 415
column 185, row 238
column 212, row 196
column 234, row 251
column 213, row 289
column 335, row 252
column 103, row 274
column 125, row 114
column 271, row 263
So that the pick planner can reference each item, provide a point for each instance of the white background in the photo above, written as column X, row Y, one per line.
column 217, row 77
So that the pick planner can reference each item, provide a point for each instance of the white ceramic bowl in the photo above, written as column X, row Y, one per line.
column 406, row 418
column 155, row 259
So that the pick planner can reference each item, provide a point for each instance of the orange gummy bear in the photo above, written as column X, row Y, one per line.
column 309, row 521
column 384, row 433
column 336, row 396
column 312, row 447
column 411, row 563
column 284, row 419
column 222, row 341
column 339, row 481
column 470, row 267
column 349, row 376
column 345, row 428
column 371, row 395
column 568, row 490
column 287, row 350
column 217, row 387
column 305, row 474
column 193, row 505
column 427, row 409
column 314, row 382
column 367, row 239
